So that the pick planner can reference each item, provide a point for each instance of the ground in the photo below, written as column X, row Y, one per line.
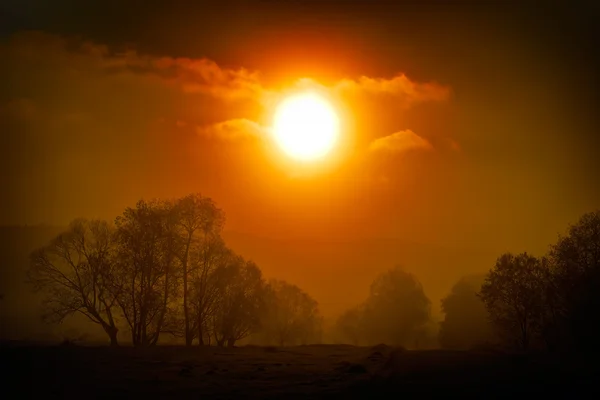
column 318, row 371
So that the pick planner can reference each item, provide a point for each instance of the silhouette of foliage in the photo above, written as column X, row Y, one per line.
column 575, row 288
column 466, row 323
column 513, row 294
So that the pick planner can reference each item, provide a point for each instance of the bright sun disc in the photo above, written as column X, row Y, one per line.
column 305, row 126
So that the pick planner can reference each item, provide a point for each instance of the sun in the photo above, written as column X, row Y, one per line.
column 305, row 126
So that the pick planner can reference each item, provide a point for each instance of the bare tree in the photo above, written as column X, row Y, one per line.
column 209, row 255
column 513, row 294
column 145, row 273
column 75, row 271
column 198, row 217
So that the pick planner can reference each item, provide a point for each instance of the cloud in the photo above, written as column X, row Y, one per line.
column 400, row 142
column 206, row 76
column 85, row 73
column 233, row 129
column 190, row 75
column 200, row 75
column 399, row 86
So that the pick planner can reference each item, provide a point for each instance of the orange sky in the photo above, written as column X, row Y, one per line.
column 464, row 133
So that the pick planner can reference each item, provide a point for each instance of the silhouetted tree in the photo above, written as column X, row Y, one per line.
column 292, row 316
column 76, row 272
column 207, row 260
column 466, row 321
column 575, row 290
column 198, row 218
column 514, row 294
column 240, row 301
column 145, row 273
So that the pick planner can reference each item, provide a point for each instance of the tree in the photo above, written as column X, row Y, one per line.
column 396, row 312
column 466, row 321
column 240, row 301
column 349, row 326
column 210, row 257
column 396, row 309
column 75, row 271
column 575, row 286
column 198, row 217
column 145, row 274
column 513, row 294
column 292, row 316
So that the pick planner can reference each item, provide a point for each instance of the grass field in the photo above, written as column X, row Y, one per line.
column 317, row 371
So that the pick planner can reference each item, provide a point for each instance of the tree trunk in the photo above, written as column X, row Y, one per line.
column 230, row 342
column 112, row 332
column 200, row 333
column 186, row 311
column 164, row 308
column 135, row 337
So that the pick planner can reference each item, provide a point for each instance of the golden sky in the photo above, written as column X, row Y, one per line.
column 462, row 129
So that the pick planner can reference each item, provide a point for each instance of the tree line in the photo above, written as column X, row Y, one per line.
column 522, row 302
column 526, row 302
column 549, row 302
column 162, row 268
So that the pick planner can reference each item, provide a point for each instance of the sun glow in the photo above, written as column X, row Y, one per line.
column 305, row 126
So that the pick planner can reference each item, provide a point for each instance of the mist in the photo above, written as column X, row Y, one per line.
column 149, row 205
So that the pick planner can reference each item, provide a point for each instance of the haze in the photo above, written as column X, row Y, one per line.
column 454, row 147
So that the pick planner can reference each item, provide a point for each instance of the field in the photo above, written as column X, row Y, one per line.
column 318, row 371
